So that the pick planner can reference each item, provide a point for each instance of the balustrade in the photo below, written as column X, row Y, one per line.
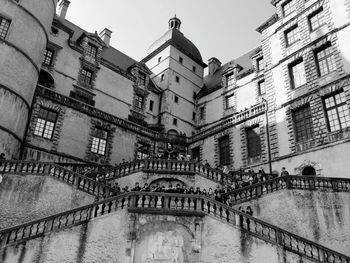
column 167, row 203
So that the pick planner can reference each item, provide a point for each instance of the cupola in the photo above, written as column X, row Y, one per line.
column 174, row 23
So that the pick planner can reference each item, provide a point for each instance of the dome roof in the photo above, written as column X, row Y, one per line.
column 177, row 39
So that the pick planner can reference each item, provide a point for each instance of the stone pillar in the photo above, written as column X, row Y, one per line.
column 21, row 53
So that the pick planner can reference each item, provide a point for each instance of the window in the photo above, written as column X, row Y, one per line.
column 86, row 76
column 201, row 113
column 99, row 141
column 194, row 95
column 288, row 7
column 297, row 73
column 193, row 116
column 260, row 64
column 175, row 121
column 151, row 103
column 230, row 80
column 253, row 141
column 91, row 50
column 292, row 35
column 45, row 124
column 325, row 60
column 181, row 60
column 138, row 103
column 316, row 20
column 176, row 99
column 224, row 150
column 177, row 79
column 48, row 57
column 195, row 152
column 302, row 120
column 337, row 111
column 261, row 87
column 194, row 68
column 4, row 27
column 142, row 78
column 230, row 101
column 162, row 77
column 159, row 59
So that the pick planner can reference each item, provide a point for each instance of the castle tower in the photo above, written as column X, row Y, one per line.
column 177, row 68
column 24, row 29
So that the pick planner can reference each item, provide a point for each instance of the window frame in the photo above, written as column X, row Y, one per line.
column 315, row 15
column 296, row 35
column 50, row 58
column 283, row 6
column 84, row 76
column 224, row 150
column 44, row 121
column 253, row 143
column 139, row 101
column 175, row 121
column 292, row 75
column 96, row 138
column 91, row 50
column 260, row 82
column 336, row 108
column 4, row 28
column 229, row 99
column 260, row 64
column 303, row 126
column 328, row 58
column 151, row 104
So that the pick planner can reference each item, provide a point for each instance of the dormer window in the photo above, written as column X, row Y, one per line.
column 91, row 50
column 142, row 78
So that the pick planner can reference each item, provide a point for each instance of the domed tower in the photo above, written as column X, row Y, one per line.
column 24, row 29
column 177, row 68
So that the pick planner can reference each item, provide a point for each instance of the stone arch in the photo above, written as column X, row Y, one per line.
column 307, row 163
column 166, row 180
column 308, row 170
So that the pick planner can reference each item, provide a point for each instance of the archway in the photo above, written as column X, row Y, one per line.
column 45, row 79
column 309, row 170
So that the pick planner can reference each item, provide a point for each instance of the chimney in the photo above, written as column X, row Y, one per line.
column 213, row 65
column 106, row 36
column 62, row 8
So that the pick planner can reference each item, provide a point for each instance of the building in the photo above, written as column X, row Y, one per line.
column 79, row 100
column 126, row 109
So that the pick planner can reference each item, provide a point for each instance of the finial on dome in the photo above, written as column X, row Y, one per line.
column 174, row 23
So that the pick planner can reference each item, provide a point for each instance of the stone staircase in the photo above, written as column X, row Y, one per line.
column 174, row 204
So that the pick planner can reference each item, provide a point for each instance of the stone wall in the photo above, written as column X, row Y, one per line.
column 122, row 237
column 30, row 197
column 319, row 216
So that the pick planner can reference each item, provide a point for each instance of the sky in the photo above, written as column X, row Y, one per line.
column 225, row 30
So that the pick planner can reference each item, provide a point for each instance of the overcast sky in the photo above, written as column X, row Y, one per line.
column 224, row 30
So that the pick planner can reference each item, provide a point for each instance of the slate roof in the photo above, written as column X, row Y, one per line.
column 214, row 82
column 110, row 54
column 177, row 39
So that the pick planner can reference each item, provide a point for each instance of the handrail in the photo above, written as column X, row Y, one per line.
column 163, row 165
column 84, row 168
column 80, row 181
column 170, row 203
column 287, row 182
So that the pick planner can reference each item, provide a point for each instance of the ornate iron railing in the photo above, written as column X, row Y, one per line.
column 173, row 204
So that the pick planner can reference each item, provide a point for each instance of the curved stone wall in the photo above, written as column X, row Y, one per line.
column 21, row 53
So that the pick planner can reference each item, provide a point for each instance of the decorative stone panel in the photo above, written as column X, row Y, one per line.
column 94, row 157
column 174, row 231
column 317, row 166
